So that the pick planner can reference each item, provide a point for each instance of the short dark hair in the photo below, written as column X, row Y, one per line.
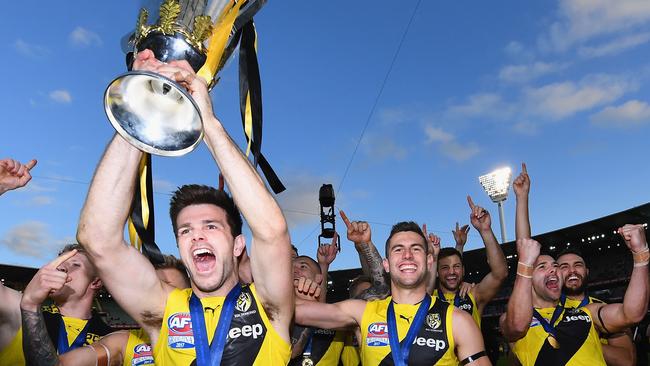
column 293, row 247
column 169, row 261
column 448, row 252
column 406, row 226
column 196, row 194
column 73, row 246
column 311, row 260
column 355, row 282
column 574, row 251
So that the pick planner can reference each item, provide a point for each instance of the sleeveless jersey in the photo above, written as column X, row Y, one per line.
column 350, row 355
column 570, row 303
column 576, row 335
column 138, row 351
column 12, row 354
column 251, row 339
column 326, row 347
column 433, row 345
column 468, row 304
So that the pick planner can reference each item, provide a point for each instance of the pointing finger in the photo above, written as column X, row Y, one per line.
column 31, row 164
column 470, row 202
column 523, row 168
column 62, row 258
column 344, row 217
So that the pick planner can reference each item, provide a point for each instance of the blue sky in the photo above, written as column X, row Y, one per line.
column 558, row 84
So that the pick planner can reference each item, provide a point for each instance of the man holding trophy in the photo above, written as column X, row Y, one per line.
column 216, row 321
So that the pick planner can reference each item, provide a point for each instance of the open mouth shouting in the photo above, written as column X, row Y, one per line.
column 552, row 283
column 407, row 267
column 204, row 259
column 574, row 280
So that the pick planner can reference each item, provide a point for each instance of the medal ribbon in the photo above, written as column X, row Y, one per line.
column 307, row 351
column 62, row 343
column 400, row 352
column 549, row 327
column 210, row 354
column 584, row 302
column 441, row 296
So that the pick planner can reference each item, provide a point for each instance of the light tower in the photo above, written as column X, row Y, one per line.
column 496, row 185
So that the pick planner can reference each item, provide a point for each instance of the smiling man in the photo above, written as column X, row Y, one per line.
column 409, row 327
column 216, row 321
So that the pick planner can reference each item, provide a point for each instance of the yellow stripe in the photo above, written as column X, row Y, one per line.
column 218, row 40
column 143, row 190
column 248, row 123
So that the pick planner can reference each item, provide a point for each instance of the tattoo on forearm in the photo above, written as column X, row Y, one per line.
column 37, row 346
column 373, row 260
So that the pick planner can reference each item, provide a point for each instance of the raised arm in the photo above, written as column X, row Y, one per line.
column 360, row 234
column 433, row 241
column 460, row 237
column 123, row 270
column 271, row 247
column 14, row 175
column 613, row 318
column 489, row 286
column 515, row 322
column 325, row 256
column 521, row 186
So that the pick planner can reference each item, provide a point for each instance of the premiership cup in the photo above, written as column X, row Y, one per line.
column 153, row 112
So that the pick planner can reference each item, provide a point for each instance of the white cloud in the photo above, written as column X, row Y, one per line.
column 563, row 99
column 616, row 46
column 630, row 113
column 30, row 50
column 525, row 128
column 61, row 96
column 527, row 72
column 83, row 37
column 300, row 201
column 40, row 201
column 30, row 238
column 448, row 145
column 383, row 147
column 435, row 134
column 582, row 20
column 391, row 116
column 482, row 105
column 163, row 186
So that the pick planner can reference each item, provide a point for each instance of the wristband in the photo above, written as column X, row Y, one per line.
column 641, row 258
column 524, row 270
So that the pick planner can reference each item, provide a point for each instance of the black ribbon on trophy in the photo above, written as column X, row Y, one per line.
column 176, row 127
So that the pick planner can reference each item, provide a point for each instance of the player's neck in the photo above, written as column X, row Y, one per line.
column 540, row 302
column 446, row 290
column 577, row 297
column 223, row 290
column 408, row 295
column 80, row 309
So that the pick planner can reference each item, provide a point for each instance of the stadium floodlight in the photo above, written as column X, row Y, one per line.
column 496, row 185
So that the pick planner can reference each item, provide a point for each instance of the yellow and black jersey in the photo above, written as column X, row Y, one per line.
column 578, row 340
column 350, row 356
column 571, row 303
column 251, row 339
column 12, row 354
column 433, row 345
column 326, row 347
column 467, row 303
column 138, row 350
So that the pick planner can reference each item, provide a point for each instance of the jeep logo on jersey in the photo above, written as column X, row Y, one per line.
column 180, row 324
column 437, row 344
column 254, row 331
column 433, row 321
column 243, row 302
column 465, row 307
column 377, row 334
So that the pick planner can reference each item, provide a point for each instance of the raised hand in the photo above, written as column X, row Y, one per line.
column 14, row 175
column 479, row 217
column 465, row 288
column 327, row 253
column 307, row 289
column 634, row 236
column 521, row 184
column 358, row 231
column 47, row 280
column 433, row 241
column 528, row 250
column 460, row 234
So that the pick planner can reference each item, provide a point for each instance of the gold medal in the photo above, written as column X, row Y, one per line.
column 306, row 361
column 553, row 342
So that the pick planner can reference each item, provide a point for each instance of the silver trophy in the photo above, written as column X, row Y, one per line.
column 154, row 113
